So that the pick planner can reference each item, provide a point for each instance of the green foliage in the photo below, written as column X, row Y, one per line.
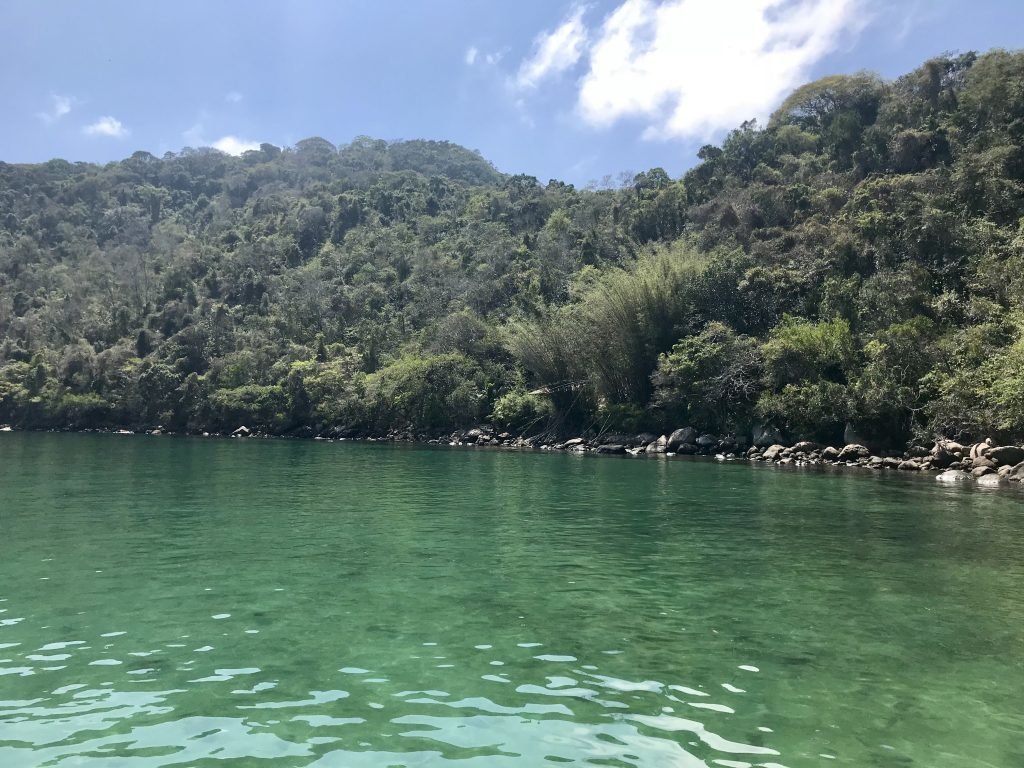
column 426, row 394
column 859, row 259
column 521, row 411
column 710, row 380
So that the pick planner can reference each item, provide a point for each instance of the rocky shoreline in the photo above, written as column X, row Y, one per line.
column 985, row 464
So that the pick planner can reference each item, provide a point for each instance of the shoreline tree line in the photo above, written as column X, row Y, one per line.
column 857, row 262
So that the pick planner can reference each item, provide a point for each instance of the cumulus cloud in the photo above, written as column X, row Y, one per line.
column 233, row 97
column 106, row 126
column 233, row 145
column 59, row 106
column 693, row 67
column 471, row 54
column 554, row 52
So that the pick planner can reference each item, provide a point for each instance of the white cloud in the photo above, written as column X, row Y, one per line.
column 59, row 106
column 555, row 51
column 233, row 145
column 106, row 126
column 471, row 55
column 233, row 97
column 691, row 68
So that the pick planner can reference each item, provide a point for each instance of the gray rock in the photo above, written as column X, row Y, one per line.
column 805, row 446
column 773, row 453
column 706, row 441
column 686, row 435
column 656, row 447
column 644, row 438
column 611, row 448
column 830, row 454
column 953, row 476
column 982, row 471
column 942, row 457
column 1016, row 474
column 981, row 462
column 910, row 465
column 573, row 442
column 764, row 436
column 853, row 451
column 990, row 481
column 686, row 449
column 1005, row 454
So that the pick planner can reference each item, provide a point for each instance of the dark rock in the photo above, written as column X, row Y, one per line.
column 686, row 449
column 830, row 454
column 644, row 438
column 684, row 436
column 1005, row 454
column 611, row 448
column 942, row 457
column 765, row 436
column 706, row 441
column 851, row 437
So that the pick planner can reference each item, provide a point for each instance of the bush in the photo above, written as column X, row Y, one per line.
column 428, row 394
column 521, row 411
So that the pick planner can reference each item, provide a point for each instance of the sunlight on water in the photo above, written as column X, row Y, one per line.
column 196, row 603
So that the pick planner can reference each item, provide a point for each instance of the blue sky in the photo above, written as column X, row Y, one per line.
column 575, row 91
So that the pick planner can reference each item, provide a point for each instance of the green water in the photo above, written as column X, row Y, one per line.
column 189, row 602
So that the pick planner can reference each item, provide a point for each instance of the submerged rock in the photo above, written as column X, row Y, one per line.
column 990, row 481
column 953, row 476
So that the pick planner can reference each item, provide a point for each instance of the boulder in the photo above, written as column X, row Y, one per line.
column 686, row 449
column 982, row 471
column 1016, row 474
column 573, row 442
column 686, row 435
column 773, row 453
column 644, row 438
column 984, row 462
column 942, row 457
column 658, row 446
column 892, row 462
column 953, row 476
column 764, row 436
column 242, row 431
column 853, row 451
column 612, row 448
column 706, row 441
column 830, row 454
column 1005, row 454
column 910, row 465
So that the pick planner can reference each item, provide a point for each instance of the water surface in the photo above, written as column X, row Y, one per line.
column 189, row 602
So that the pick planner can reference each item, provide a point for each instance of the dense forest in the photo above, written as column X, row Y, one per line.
column 855, row 264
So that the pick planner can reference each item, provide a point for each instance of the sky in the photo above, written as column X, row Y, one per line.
column 577, row 91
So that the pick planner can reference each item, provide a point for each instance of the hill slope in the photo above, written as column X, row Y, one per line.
column 858, row 261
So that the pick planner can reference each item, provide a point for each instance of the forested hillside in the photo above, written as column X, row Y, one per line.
column 857, row 261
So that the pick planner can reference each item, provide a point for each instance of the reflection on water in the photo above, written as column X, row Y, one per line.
column 197, row 603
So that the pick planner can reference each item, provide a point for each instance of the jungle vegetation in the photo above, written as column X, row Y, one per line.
column 858, row 260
